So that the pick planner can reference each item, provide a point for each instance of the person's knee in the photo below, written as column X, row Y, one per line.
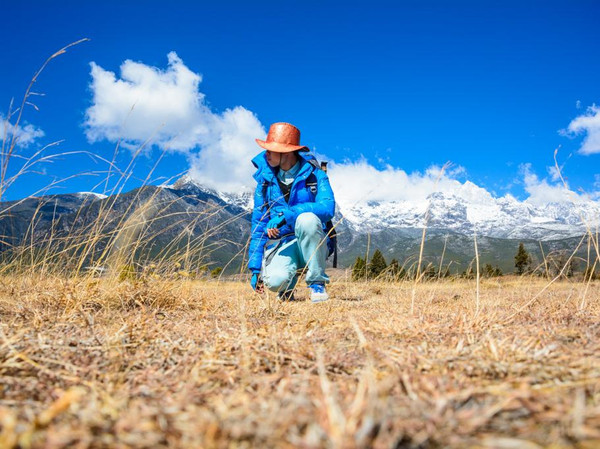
column 278, row 279
column 308, row 223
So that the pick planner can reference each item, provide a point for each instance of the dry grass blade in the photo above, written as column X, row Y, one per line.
column 9, row 145
column 422, row 246
column 478, row 277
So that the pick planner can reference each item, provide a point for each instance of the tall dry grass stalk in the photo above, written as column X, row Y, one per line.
column 545, row 261
column 424, row 233
column 9, row 144
column 442, row 257
column 478, row 275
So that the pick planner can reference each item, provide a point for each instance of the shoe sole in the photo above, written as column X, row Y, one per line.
column 319, row 299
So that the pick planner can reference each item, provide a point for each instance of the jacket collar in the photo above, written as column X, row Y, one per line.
column 268, row 173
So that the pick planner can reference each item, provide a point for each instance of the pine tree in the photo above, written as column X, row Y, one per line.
column 444, row 272
column 522, row 260
column 430, row 272
column 377, row 265
column 359, row 269
column 401, row 274
column 468, row 273
column 398, row 270
column 488, row 270
column 393, row 270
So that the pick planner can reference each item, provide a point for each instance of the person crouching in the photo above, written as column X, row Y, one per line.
column 293, row 202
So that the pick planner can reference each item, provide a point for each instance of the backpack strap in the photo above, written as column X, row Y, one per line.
column 265, row 187
column 314, row 163
column 312, row 183
column 331, row 232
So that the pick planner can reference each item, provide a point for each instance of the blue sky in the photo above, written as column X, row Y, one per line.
column 401, row 87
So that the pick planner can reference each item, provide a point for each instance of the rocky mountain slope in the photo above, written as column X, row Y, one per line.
column 150, row 222
column 155, row 220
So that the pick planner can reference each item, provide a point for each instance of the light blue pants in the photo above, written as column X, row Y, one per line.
column 307, row 250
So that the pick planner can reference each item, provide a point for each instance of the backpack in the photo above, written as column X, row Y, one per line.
column 330, row 230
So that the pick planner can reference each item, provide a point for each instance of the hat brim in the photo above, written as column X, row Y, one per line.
column 277, row 147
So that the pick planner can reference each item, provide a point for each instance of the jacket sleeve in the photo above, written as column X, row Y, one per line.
column 323, row 207
column 258, row 236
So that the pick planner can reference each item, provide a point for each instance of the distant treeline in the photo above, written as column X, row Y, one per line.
column 557, row 264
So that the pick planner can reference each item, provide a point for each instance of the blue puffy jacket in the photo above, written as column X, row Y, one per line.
column 307, row 194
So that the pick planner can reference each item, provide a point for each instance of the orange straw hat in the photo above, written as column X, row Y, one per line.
column 282, row 138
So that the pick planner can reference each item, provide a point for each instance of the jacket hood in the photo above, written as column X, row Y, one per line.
column 264, row 170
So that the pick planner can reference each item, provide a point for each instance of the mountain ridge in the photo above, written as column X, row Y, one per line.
column 222, row 221
column 476, row 211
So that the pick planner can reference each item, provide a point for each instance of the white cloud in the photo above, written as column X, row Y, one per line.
column 450, row 171
column 167, row 107
column 361, row 182
column 25, row 135
column 588, row 123
column 226, row 159
column 596, row 195
column 554, row 173
column 543, row 192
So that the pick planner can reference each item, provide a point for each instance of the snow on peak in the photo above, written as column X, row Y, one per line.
column 459, row 207
column 186, row 181
column 474, row 194
column 468, row 207
column 100, row 196
column 241, row 199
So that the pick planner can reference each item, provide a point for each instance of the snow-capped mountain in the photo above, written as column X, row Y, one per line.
column 223, row 220
column 472, row 210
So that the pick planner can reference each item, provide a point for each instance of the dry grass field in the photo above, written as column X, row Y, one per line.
column 97, row 363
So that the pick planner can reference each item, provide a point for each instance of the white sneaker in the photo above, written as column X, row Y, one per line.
column 318, row 292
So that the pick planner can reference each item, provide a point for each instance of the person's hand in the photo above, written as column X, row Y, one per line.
column 273, row 226
column 255, row 282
